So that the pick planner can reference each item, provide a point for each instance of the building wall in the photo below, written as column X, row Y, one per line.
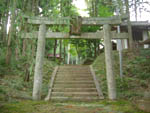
column 137, row 35
column 145, row 37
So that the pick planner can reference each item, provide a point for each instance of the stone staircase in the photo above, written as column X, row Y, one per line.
column 74, row 83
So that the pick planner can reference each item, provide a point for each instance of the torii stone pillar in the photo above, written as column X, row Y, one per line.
column 38, row 73
column 111, row 83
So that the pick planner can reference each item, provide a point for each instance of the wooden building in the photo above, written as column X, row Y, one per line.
column 140, row 32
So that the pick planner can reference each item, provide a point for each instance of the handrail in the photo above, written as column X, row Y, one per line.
column 51, row 84
column 100, row 94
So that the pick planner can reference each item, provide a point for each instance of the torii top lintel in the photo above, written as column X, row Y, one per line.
column 114, row 20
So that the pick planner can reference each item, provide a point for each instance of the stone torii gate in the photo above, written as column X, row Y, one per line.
column 106, row 34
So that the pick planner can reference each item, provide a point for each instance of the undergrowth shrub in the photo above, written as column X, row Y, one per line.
column 3, row 66
column 12, row 77
column 136, row 71
column 139, row 66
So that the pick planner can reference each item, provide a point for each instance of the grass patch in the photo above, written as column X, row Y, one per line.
column 104, row 106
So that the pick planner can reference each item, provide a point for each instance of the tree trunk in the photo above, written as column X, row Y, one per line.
column 24, row 47
column 4, row 27
column 27, row 74
column 135, row 9
column 55, row 47
column 120, row 6
column 64, row 54
column 129, row 26
column 35, row 5
column 38, row 74
column 90, row 48
column 35, row 12
column 93, row 10
column 11, row 33
column 60, row 49
column 68, row 59
column 27, row 8
column 96, row 8
column 33, row 48
column 17, row 53
column 98, row 48
column 111, row 83
column 95, row 48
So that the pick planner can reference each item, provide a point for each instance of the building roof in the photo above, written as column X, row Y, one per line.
column 138, row 24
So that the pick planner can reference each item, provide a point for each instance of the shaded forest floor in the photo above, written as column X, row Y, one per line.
column 15, row 93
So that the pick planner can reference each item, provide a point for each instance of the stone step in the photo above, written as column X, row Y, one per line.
column 73, row 79
column 70, row 73
column 74, row 76
column 60, row 98
column 70, row 70
column 61, row 68
column 73, row 72
column 74, row 89
column 74, row 82
column 74, row 94
column 78, row 70
column 74, row 67
column 67, row 66
column 74, row 86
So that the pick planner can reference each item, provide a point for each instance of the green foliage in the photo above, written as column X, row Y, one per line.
column 72, row 51
column 84, row 48
column 100, row 8
column 3, row 6
column 105, row 11
column 90, row 28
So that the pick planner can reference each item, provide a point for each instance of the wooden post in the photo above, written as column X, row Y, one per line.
column 145, row 37
column 109, row 63
column 38, row 73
